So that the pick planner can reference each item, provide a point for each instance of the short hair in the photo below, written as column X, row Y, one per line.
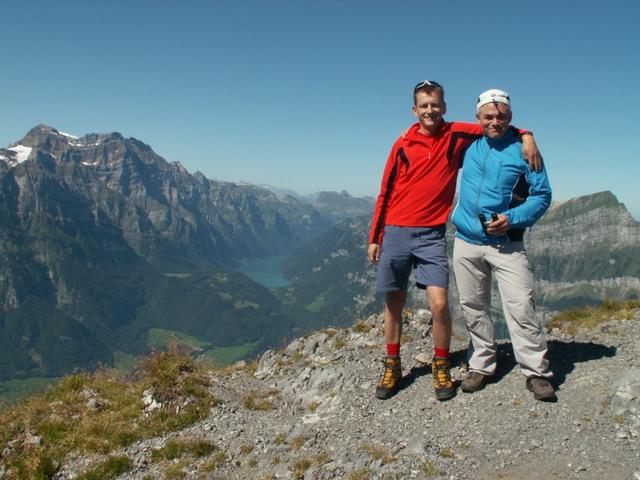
column 428, row 87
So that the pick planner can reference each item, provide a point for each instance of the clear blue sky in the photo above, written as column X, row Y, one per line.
column 310, row 95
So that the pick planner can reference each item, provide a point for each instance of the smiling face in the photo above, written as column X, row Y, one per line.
column 494, row 118
column 429, row 108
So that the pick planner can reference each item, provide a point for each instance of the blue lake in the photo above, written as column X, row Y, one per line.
column 266, row 271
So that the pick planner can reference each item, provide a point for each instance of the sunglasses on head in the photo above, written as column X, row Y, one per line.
column 426, row 83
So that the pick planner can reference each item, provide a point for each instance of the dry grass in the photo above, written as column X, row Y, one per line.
column 378, row 453
column 331, row 332
column 261, row 401
column 110, row 468
column 102, row 412
column 321, row 458
column 298, row 442
column 300, row 467
column 362, row 474
column 430, row 470
column 589, row 318
column 287, row 360
column 250, row 367
column 361, row 327
column 175, row 471
column 245, row 449
column 446, row 453
column 214, row 462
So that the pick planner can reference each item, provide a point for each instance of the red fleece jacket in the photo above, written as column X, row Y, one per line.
column 419, row 180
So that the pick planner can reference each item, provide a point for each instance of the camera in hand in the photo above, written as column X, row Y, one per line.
column 485, row 223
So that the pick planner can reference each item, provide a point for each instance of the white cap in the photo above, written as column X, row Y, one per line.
column 493, row 96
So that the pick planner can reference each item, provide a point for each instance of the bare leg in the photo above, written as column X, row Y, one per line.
column 439, row 304
column 394, row 303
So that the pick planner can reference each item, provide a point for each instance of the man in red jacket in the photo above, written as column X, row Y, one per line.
column 418, row 186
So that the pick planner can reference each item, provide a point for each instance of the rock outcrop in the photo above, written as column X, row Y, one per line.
column 318, row 418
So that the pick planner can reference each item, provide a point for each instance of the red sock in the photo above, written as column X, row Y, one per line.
column 440, row 352
column 393, row 349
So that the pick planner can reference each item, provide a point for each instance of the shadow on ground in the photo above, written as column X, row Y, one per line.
column 563, row 357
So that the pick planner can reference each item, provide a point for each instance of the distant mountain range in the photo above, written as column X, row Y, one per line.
column 583, row 250
column 336, row 205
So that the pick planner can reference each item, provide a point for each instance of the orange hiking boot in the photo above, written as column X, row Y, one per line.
column 390, row 381
column 442, row 383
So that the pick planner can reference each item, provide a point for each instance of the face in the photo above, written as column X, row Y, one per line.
column 494, row 119
column 429, row 109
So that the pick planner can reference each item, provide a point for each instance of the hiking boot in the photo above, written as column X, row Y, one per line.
column 542, row 389
column 390, row 381
column 474, row 382
column 442, row 383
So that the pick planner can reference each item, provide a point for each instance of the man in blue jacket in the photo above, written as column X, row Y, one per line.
column 499, row 197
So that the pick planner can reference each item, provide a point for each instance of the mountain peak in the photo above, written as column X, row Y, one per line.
column 579, row 205
column 50, row 139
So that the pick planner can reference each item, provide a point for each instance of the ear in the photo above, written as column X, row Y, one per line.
column 478, row 116
column 414, row 110
column 444, row 108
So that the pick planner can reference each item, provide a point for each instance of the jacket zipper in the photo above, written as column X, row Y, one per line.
column 484, row 169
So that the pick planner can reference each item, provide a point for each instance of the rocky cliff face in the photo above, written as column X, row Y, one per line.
column 584, row 250
column 165, row 213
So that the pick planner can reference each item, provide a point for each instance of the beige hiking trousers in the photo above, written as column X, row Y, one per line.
column 473, row 266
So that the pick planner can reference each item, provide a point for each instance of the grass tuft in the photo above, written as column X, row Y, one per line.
column 361, row 327
column 298, row 442
column 246, row 449
column 446, row 453
column 102, row 412
column 255, row 400
column 175, row 471
column 300, row 467
column 214, row 462
column 110, row 468
column 378, row 453
column 362, row 474
column 430, row 470
column 588, row 318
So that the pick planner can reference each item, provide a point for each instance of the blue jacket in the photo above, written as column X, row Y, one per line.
column 496, row 179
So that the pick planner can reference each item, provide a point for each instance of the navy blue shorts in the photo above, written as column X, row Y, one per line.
column 406, row 248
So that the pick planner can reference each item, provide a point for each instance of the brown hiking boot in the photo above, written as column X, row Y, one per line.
column 542, row 389
column 390, row 381
column 442, row 383
column 474, row 382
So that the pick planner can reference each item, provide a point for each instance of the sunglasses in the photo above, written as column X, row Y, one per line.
column 426, row 83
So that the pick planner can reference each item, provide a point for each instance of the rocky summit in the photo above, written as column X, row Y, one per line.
column 309, row 412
